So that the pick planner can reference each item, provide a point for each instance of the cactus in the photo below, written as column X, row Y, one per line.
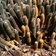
column 42, row 9
column 33, row 13
column 28, row 38
column 13, row 13
column 22, row 5
column 42, row 20
column 19, row 15
column 17, row 36
column 47, row 10
column 27, row 28
column 52, row 40
column 53, row 7
column 39, row 9
column 37, row 36
column 15, row 7
column 24, row 10
column 19, row 7
column 4, row 4
column 14, row 24
column 9, row 24
column 12, row 4
column 23, row 30
column 8, row 29
column 36, row 46
column 38, row 25
column 50, row 31
column 41, row 43
column 25, row 20
column 36, row 12
column 1, row 25
column 28, row 12
column 48, row 20
column 33, row 27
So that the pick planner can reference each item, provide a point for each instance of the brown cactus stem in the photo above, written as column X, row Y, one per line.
column 53, row 7
column 36, row 46
column 38, row 25
column 25, row 20
column 49, row 19
column 4, row 4
column 12, row 3
column 2, row 12
column 48, row 23
column 15, row 7
column 1, row 25
column 42, row 20
column 27, row 28
column 13, row 13
column 47, row 9
column 9, row 24
column 23, row 30
column 22, row 5
column 46, row 46
column 19, row 8
column 38, row 36
column 33, row 23
column 17, row 36
column 14, row 24
column 33, row 13
column 5, row 13
column 8, row 29
column 41, row 43
column 50, row 31
column 38, row 21
column 36, row 12
column 28, row 12
column 24, row 10
column 42, row 9
column 19, row 16
column 1, row 8
column 52, row 40
column 39, row 9
column 28, row 38
column 30, row 6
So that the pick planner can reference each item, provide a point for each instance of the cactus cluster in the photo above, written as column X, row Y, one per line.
column 30, row 22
